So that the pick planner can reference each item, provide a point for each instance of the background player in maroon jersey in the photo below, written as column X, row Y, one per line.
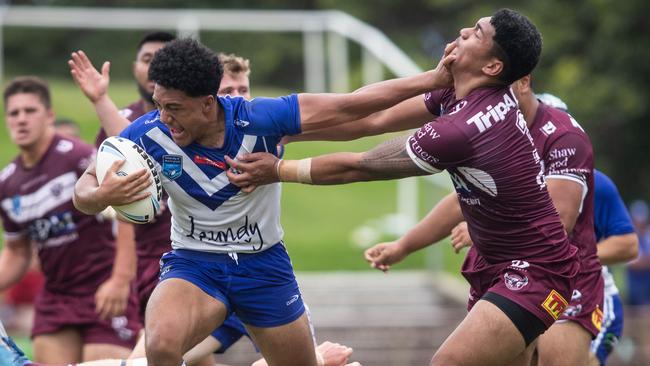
column 76, row 251
column 484, row 143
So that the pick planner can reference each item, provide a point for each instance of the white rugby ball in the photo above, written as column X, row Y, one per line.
column 119, row 148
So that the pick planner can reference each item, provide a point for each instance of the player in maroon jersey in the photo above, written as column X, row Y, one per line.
column 525, row 273
column 76, row 251
column 568, row 169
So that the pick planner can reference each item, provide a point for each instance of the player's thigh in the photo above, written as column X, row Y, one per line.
column 59, row 348
column 198, row 353
column 100, row 351
column 286, row 345
column 485, row 337
column 180, row 315
column 565, row 343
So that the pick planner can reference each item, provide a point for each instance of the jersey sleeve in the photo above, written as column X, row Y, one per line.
column 438, row 145
column 11, row 229
column 569, row 157
column 610, row 214
column 270, row 116
column 435, row 99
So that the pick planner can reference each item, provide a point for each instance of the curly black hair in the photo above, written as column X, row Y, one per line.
column 186, row 65
column 517, row 43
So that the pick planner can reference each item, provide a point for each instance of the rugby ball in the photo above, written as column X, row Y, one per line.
column 118, row 148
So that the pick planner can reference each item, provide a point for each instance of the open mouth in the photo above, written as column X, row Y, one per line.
column 177, row 132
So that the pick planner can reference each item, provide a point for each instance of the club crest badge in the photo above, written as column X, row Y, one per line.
column 172, row 166
column 514, row 281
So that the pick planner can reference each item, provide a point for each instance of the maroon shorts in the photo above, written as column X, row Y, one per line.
column 586, row 304
column 540, row 288
column 55, row 311
column 148, row 270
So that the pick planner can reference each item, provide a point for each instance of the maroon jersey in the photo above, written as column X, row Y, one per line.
column 567, row 154
column 76, row 251
column 483, row 142
column 152, row 240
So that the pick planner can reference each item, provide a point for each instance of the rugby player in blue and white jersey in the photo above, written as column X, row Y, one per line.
column 234, row 82
column 617, row 243
column 228, row 251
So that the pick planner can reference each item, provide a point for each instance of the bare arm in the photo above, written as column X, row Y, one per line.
column 567, row 196
column 112, row 297
column 618, row 249
column 411, row 113
column 319, row 111
column 91, row 198
column 94, row 85
column 14, row 261
column 388, row 160
column 431, row 229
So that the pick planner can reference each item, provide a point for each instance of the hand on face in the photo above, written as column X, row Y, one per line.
column 444, row 65
column 93, row 84
column 252, row 170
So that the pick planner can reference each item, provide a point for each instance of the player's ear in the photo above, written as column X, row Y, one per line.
column 493, row 68
column 207, row 103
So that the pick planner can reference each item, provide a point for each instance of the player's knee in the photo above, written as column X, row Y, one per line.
column 162, row 345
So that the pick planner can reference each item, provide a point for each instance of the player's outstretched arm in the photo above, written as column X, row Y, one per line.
column 91, row 198
column 94, row 85
column 388, row 160
column 319, row 111
column 411, row 113
column 431, row 229
column 14, row 261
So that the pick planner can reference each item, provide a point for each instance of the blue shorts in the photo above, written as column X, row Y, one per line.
column 611, row 330
column 229, row 332
column 259, row 287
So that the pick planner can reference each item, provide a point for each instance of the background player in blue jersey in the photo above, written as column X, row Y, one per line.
column 228, row 251
column 617, row 243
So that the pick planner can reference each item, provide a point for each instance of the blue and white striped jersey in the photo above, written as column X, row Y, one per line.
column 208, row 212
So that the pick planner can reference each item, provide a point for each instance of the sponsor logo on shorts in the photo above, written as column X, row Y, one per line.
column 514, row 281
column 519, row 264
column 120, row 326
column 573, row 311
column 164, row 270
column 597, row 317
column 555, row 304
column 293, row 299
column 577, row 295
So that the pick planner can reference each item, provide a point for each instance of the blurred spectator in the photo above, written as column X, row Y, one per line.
column 66, row 127
column 638, row 273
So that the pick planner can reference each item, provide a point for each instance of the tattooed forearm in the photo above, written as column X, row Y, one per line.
column 389, row 160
